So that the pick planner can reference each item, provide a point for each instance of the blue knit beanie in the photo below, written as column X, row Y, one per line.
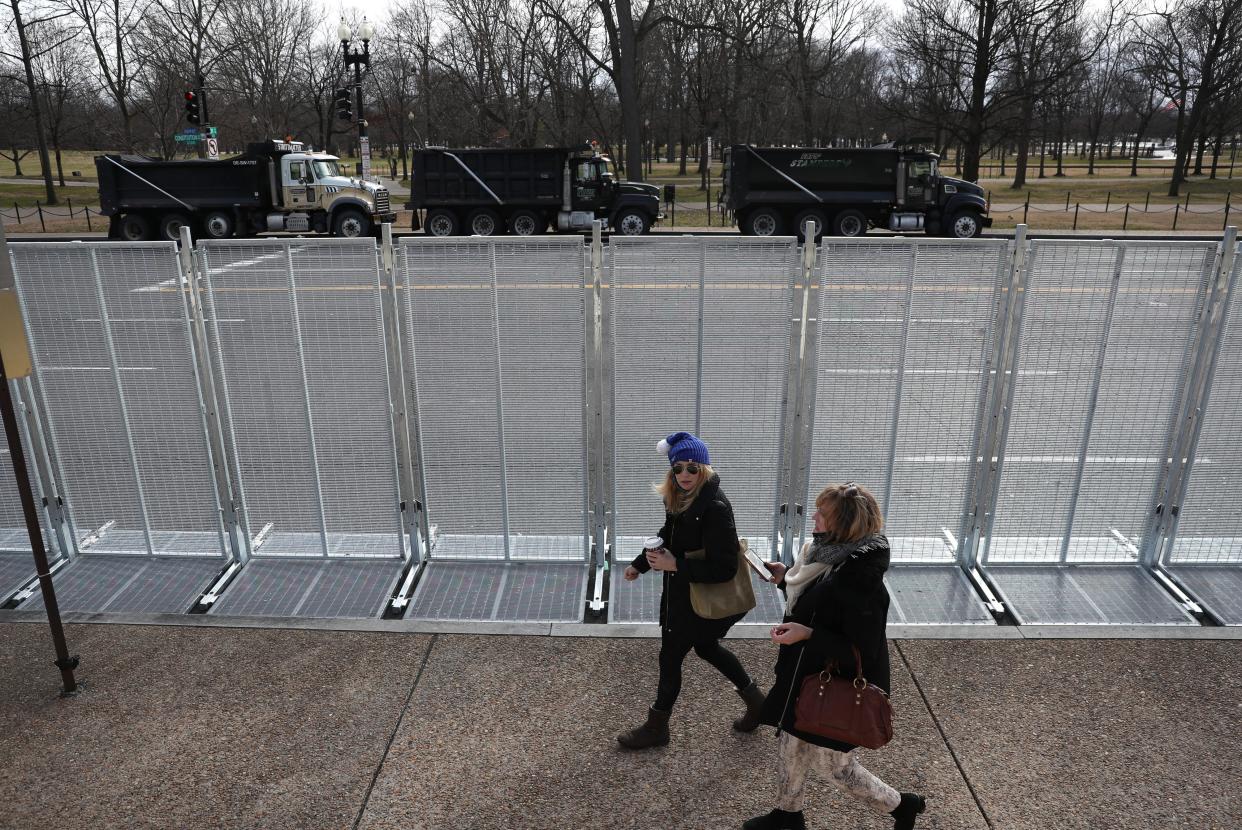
column 682, row 446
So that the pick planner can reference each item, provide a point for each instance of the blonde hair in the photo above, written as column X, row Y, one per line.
column 677, row 500
column 850, row 512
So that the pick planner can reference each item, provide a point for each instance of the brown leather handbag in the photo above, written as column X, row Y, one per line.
column 853, row 712
column 717, row 600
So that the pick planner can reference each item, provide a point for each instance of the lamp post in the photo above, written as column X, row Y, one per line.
column 358, row 60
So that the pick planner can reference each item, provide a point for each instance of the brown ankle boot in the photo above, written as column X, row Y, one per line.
column 754, row 698
column 652, row 733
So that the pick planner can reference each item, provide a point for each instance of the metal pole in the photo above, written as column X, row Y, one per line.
column 106, row 322
column 1091, row 404
column 310, row 418
column 500, row 401
column 698, row 381
column 12, row 316
column 895, row 409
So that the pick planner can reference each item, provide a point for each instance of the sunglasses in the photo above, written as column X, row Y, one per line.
column 692, row 469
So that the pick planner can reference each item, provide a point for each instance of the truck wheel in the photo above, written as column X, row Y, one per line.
column 351, row 223
column 218, row 225
column 763, row 222
column 631, row 222
column 441, row 222
column 849, row 223
column 171, row 225
column 815, row 216
column 135, row 227
column 485, row 222
column 965, row 225
column 527, row 223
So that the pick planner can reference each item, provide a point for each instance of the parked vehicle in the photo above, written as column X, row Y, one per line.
column 484, row 192
column 776, row 190
column 273, row 186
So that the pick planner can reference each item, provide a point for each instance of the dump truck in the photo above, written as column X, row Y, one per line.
column 483, row 192
column 273, row 186
column 844, row 192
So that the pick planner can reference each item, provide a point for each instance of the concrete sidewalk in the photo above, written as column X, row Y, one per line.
column 182, row 727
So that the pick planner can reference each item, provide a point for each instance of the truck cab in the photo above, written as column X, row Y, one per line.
column 316, row 194
column 628, row 208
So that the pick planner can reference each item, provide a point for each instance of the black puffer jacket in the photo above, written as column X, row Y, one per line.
column 848, row 605
column 706, row 525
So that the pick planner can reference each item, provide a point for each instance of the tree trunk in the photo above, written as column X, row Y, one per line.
column 681, row 169
column 1022, row 157
column 1216, row 145
column 37, row 116
column 625, row 61
column 60, row 168
column 1199, row 153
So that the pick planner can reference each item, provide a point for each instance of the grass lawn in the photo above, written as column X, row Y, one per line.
column 81, row 160
column 26, row 195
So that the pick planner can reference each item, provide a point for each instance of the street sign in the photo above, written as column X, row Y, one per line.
column 183, row 138
column 189, row 131
column 364, row 144
column 213, row 149
column 211, row 131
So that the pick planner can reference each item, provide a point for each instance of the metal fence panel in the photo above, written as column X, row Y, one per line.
column 114, row 365
column 1209, row 522
column 904, row 340
column 723, row 379
column 13, row 535
column 1103, row 354
column 495, row 338
column 296, row 333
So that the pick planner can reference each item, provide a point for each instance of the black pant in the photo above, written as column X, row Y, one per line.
column 673, row 653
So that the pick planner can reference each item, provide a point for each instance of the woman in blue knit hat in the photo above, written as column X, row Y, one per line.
column 698, row 520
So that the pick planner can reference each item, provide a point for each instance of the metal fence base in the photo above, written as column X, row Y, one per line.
column 933, row 595
column 501, row 591
column 319, row 588
column 131, row 584
column 1085, row 595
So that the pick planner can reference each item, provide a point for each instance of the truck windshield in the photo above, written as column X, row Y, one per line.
column 324, row 168
column 605, row 169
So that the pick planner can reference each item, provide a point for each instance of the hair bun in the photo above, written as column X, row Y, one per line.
column 850, row 491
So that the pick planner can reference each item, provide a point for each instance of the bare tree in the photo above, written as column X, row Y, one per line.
column 1193, row 48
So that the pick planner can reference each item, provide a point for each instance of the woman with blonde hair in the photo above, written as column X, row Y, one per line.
column 835, row 602
column 698, row 518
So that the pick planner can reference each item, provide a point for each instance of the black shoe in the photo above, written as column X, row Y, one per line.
column 652, row 733
column 908, row 810
column 753, row 698
column 777, row 820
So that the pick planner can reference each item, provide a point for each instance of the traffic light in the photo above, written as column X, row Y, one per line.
column 344, row 105
column 191, row 107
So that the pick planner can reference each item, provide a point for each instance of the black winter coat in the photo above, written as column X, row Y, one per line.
column 849, row 606
column 706, row 525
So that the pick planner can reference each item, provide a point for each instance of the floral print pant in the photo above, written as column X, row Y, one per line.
column 798, row 758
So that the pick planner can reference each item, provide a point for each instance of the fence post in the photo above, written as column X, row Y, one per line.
column 1026, row 207
column 1067, row 198
column 17, row 210
column 1176, row 209
column 1163, row 529
column 1187, row 200
column 1126, row 221
column 89, row 229
column 1225, row 226
column 69, row 201
column 1076, row 215
column 1147, row 203
column 1108, row 201
column 39, row 208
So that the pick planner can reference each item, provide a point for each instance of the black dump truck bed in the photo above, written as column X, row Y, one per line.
column 146, row 183
column 762, row 174
column 444, row 177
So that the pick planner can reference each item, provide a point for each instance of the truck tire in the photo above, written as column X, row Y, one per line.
column 527, row 223
column 764, row 221
column 218, row 225
column 631, row 222
column 484, row 222
column 135, row 227
column 171, row 225
column 816, row 216
column 849, row 223
column 351, row 223
column 441, row 222
column 964, row 225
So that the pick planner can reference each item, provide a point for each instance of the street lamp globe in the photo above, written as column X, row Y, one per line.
column 366, row 31
column 343, row 32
